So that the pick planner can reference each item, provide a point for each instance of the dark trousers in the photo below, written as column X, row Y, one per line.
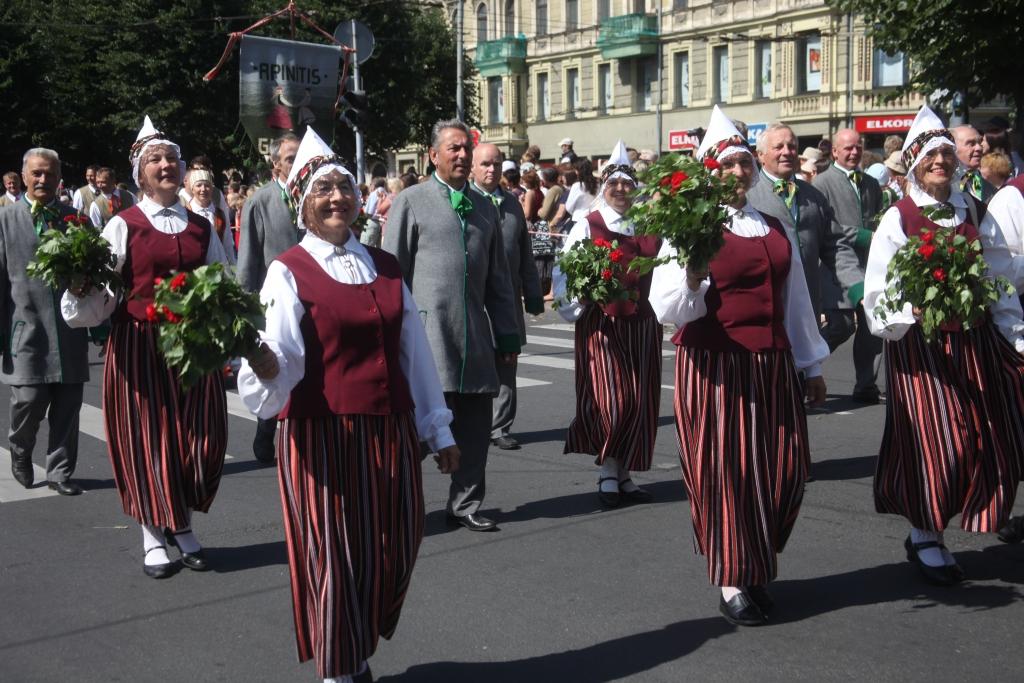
column 263, row 443
column 60, row 404
column 867, row 348
column 471, row 428
column 505, row 402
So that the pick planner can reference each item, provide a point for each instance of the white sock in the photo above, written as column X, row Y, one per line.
column 187, row 542
column 930, row 556
column 339, row 679
column 152, row 540
column 610, row 470
column 626, row 485
column 730, row 592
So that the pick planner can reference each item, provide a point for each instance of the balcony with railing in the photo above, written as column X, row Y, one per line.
column 502, row 56
column 629, row 35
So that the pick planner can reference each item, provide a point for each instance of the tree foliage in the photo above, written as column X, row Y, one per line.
column 953, row 45
column 78, row 77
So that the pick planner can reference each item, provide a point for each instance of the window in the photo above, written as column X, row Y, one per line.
column 646, row 79
column 495, row 100
column 543, row 98
column 572, row 15
column 510, row 17
column 572, row 91
column 604, row 9
column 809, row 66
column 481, row 23
column 678, row 5
column 890, row 70
column 638, row 6
column 763, row 55
column 604, row 88
column 720, row 64
column 542, row 17
column 682, row 75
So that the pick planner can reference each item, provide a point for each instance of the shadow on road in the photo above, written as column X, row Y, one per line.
column 612, row 660
column 558, row 434
column 241, row 558
column 844, row 468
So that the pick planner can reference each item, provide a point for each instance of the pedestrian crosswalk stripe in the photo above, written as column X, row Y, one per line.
column 11, row 491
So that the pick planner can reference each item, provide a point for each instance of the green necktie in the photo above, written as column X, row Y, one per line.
column 855, row 177
column 461, row 203
column 287, row 199
column 972, row 183
column 787, row 190
column 43, row 216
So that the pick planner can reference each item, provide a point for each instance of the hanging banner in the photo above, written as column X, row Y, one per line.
column 285, row 86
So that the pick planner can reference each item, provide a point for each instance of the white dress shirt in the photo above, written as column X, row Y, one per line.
column 266, row 398
column 579, row 203
column 674, row 302
column 1006, row 211
column 94, row 308
column 889, row 237
column 76, row 200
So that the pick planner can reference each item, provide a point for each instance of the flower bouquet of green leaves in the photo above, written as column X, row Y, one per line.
column 594, row 274
column 76, row 258
column 205, row 319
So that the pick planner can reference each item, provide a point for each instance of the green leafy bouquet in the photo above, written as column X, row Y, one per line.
column 77, row 258
column 593, row 273
column 683, row 201
column 944, row 277
column 205, row 319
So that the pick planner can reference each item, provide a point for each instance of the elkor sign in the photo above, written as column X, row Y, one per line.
column 894, row 123
column 683, row 139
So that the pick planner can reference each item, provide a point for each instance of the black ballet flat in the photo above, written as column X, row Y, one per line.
column 637, row 495
column 741, row 610
column 157, row 571
column 609, row 499
column 761, row 597
column 195, row 561
column 940, row 576
column 1012, row 531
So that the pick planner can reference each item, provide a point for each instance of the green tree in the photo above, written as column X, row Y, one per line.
column 952, row 45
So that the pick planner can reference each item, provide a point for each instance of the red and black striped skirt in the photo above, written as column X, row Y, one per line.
column 166, row 444
column 352, row 494
column 954, row 429
column 618, row 388
column 743, row 445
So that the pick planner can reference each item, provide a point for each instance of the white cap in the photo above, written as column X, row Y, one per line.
column 721, row 129
column 527, row 166
column 313, row 159
column 508, row 165
column 566, row 141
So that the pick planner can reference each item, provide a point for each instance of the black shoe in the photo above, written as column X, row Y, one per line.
column 195, row 561
column 637, row 495
column 472, row 522
column 1012, row 531
column 365, row 677
column 158, row 571
column 609, row 499
column 940, row 576
column 761, row 598
column 24, row 476
column 65, row 488
column 869, row 397
column 264, row 455
column 741, row 611
column 506, row 443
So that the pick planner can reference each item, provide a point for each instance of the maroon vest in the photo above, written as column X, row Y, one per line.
column 352, row 335
column 744, row 302
column 914, row 221
column 631, row 247
column 151, row 254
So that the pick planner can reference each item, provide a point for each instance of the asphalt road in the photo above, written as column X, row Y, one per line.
column 564, row 592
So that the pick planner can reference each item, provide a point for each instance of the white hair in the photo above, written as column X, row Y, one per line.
column 762, row 142
column 43, row 152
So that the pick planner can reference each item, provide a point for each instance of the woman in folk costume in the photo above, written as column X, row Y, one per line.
column 166, row 443
column 202, row 203
column 351, row 375
column 618, row 350
column 746, row 328
column 954, row 430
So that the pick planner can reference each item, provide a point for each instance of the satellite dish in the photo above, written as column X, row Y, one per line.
column 356, row 35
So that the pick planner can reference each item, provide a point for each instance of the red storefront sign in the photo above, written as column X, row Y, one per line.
column 891, row 123
column 683, row 139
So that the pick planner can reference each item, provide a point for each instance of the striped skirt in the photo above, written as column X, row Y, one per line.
column 743, row 445
column 166, row 444
column 954, row 429
column 352, row 494
column 618, row 389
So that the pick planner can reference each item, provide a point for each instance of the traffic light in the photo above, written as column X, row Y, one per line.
column 355, row 113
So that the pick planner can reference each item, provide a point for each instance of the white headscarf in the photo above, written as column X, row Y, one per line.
column 723, row 140
column 926, row 133
column 147, row 137
column 313, row 160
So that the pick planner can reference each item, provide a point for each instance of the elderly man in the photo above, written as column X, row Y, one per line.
column 45, row 362
column 970, row 150
column 12, row 189
column 109, row 200
column 268, row 229
column 448, row 242
column 856, row 199
column 802, row 210
column 85, row 195
column 525, row 281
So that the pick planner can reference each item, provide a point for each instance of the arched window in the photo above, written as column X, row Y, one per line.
column 510, row 17
column 481, row 22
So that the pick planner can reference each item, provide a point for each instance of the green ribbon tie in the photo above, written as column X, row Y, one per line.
column 787, row 190
column 462, row 204
column 43, row 216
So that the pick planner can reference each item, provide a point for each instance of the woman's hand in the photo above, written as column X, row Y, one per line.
column 447, row 459
column 814, row 389
column 695, row 276
column 263, row 362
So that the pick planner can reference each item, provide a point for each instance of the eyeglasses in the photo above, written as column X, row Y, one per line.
column 325, row 188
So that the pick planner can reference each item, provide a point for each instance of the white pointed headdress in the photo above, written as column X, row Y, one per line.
column 147, row 137
column 926, row 133
column 314, row 159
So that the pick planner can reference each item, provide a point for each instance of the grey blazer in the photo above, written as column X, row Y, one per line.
column 812, row 236
column 853, row 222
column 38, row 346
column 267, row 232
column 519, row 253
column 460, row 280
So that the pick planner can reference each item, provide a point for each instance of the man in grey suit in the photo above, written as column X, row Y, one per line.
column 45, row 362
column 802, row 210
column 856, row 199
column 268, row 230
column 525, row 281
column 969, row 150
column 448, row 243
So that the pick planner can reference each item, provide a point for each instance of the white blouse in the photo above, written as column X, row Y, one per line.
column 617, row 223
column 227, row 241
column 94, row 308
column 889, row 237
column 674, row 302
column 1006, row 210
column 266, row 398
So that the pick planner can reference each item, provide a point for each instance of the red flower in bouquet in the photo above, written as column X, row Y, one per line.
column 615, row 256
column 158, row 281
column 927, row 237
column 606, row 274
column 711, row 164
column 926, row 250
column 939, row 274
column 594, row 272
column 604, row 244
column 169, row 315
column 151, row 313
column 678, row 178
column 178, row 281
